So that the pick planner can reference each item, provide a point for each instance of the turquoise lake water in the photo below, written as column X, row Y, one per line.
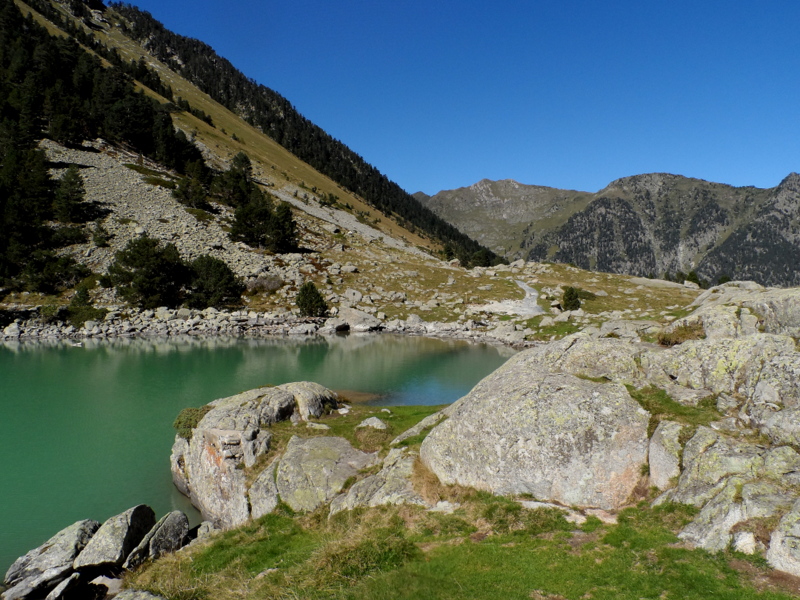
column 87, row 431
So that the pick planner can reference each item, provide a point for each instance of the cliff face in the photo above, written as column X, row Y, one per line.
column 647, row 224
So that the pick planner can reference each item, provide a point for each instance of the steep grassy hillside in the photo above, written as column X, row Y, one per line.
column 272, row 114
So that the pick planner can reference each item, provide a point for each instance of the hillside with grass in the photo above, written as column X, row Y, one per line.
column 656, row 224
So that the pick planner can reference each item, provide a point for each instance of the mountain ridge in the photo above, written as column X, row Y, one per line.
column 651, row 224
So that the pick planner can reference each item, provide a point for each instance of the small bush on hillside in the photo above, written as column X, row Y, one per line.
column 148, row 274
column 50, row 274
column 264, row 284
column 310, row 301
column 100, row 236
column 81, row 309
column 213, row 283
column 570, row 300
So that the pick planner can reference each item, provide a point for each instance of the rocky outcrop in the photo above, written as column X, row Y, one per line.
column 115, row 539
column 312, row 471
column 168, row 535
column 552, row 435
column 391, row 485
column 665, row 454
column 232, row 435
column 137, row 595
column 45, row 567
column 66, row 567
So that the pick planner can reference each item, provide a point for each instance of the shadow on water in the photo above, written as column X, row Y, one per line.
column 93, row 423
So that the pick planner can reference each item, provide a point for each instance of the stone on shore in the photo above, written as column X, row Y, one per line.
column 46, row 566
column 117, row 537
column 168, row 535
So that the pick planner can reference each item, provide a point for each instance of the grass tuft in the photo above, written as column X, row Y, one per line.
column 682, row 333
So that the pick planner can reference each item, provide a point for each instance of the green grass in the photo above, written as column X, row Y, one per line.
column 660, row 406
column 490, row 548
column 556, row 331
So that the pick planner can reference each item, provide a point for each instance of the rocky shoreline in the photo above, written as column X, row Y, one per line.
column 164, row 322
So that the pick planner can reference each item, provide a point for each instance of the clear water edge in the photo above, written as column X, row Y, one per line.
column 89, row 429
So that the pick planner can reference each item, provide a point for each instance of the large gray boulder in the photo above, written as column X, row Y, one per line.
column 391, row 485
column 216, row 482
column 232, row 435
column 312, row 471
column 719, row 321
column 777, row 310
column 168, row 535
column 587, row 356
column 117, row 537
column 311, row 398
column 46, row 566
column 558, row 437
column 774, row 406
column 737, row 502
column 354, row 320
column 727, row 365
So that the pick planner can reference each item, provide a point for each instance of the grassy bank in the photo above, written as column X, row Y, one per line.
column 490, row 547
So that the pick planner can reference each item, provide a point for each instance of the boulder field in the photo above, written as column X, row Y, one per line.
column 563, row 422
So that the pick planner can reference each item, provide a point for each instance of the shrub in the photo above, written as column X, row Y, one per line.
column 50, row 274
column 310, row 301
column 213, row 284
column 264, row 284
column 69, row 197
column 188, row 419
column 100, row 235
column 570, row 300
column 148, row 274
column 81, row 309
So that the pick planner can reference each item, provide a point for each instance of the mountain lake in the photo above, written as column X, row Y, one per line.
column 90, row 425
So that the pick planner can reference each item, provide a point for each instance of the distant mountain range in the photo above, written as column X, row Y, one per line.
column 650, row 225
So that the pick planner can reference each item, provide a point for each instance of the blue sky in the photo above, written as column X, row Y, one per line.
column 563, row 93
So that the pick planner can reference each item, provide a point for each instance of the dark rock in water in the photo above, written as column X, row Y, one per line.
column 168, row 535
column 44, row 567
column 115, row 540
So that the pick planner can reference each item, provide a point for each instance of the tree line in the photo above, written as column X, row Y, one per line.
column 51, row 87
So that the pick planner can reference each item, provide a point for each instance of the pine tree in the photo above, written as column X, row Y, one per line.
column 571, row 299
column 310, row 301
column 69, row 197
